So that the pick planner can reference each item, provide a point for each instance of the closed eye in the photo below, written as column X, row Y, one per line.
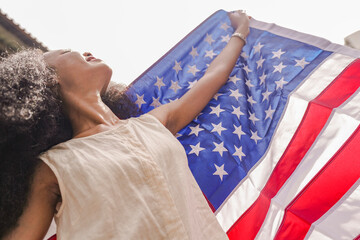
column 66, row 51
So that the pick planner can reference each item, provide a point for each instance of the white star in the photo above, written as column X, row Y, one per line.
column 193, row 69
column 217, row 95
column 193, row 83
column 219, row 148
column 251, row 100
column 247, row 69
column 254, row 136
column 217, row 110
column 225, row 26
column 194, row 52
column 156, row 103
column 238, row 131
column 209, row 39
column 248, row 83
column 258, row 47
column 277, row 54
column 236, row 94
column 159, row 82
column 253, row 118
column 244, row 55
column 279, row 68
column 196, row 130
column 237, row 111
column 220, row 171
column 196, row 149
column 260, row 62
column 217, row 128
column 225, row 38
column 262, row 78
column 280, row 83
column 177, row 67
column 266, row 95
column 269, row 113
column 239, row 152
column 234, row 79
column 301, row 63
column 210, row 54
column 140, row 100
column 174, row 86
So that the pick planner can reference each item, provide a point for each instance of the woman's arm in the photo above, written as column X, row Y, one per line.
column 178, row 114
column 36, row 218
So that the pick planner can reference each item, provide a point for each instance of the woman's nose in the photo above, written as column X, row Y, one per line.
column 87, row 54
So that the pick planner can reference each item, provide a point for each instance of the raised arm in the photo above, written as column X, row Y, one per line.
column 178, row 114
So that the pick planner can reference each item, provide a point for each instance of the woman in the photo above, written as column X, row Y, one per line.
column 106, row 178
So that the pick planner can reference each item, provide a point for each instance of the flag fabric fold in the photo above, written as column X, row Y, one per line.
column 275, row 151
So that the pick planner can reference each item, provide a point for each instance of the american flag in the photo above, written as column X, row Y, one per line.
column 277, row 150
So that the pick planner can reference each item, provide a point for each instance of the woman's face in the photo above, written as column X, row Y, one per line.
column 79, row 73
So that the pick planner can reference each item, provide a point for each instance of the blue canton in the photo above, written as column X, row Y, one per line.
column 233, row 131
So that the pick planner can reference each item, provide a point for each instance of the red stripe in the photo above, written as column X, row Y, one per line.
column 209, row 203
column 357, row 238
column 315, row 117
column 323, row 191
column 52, row 237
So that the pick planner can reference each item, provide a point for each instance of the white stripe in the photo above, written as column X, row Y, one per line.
column 321, row 236
column 321, row 43
column 248, row 190
column 342, row 221
column 275, row 213
column 339, row 128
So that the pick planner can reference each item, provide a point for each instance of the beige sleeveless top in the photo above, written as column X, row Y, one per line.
column 130, row 182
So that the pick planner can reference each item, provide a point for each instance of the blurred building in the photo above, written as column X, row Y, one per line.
column 353, row 40
column 13, row 37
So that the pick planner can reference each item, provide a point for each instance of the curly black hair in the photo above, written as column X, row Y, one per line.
column 32, row 121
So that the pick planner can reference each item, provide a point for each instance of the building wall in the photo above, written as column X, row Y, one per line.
column 14, row 37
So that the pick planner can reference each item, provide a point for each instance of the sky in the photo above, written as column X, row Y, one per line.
column 131, row 35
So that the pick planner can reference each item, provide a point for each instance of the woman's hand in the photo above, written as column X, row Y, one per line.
column 178, row 114
column 240, row 22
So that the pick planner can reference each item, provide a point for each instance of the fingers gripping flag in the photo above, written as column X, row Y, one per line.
column 276, row 151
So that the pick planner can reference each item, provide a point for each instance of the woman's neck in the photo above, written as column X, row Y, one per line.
column 88, row 115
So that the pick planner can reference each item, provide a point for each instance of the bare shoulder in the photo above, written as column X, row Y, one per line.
column 38, row 214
